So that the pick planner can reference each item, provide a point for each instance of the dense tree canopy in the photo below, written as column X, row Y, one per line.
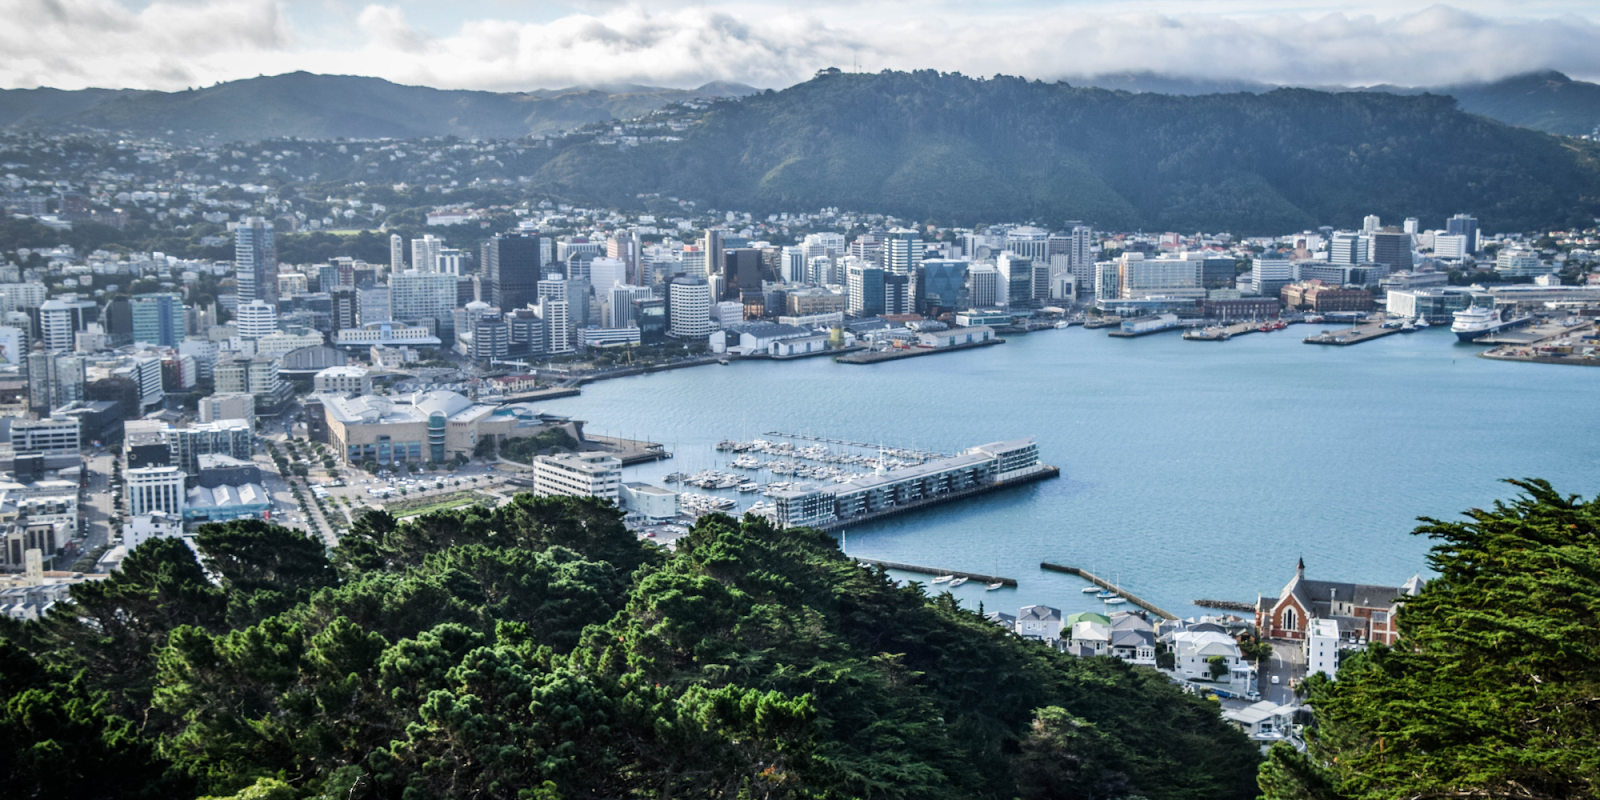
column 1493, row 689
column 541, row 651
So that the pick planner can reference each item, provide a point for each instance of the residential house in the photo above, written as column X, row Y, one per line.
column 1193, row 650
column 1039, row 622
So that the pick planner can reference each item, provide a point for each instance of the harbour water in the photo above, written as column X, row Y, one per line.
column 1189, row 469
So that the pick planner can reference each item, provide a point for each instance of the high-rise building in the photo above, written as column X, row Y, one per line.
column 344, row 312
column 1272, row 271
column 1412, row 227
column 606, row 272
column 944, row 285
column 621, row 304
column 1030, row 243
column 693, row 263
column 1107, row 279
column 415, row 296
column 743, row 270
column 397, row 253
column 902, row 251
column 256, row 319
column 711, row 246
column 151, row 489
column 158, row 319
column 898, row 297
column 1464, row 225
column 255, row 261
column 1370, row 223
column 865, row 287
column 58, row 320
column 449, row 260
column 1392, row 247
column 1016, row 278
column 1138, row 276
column 794, row 264
column 983, row 287
column 512, row 268
column 372, row 305
column 425, row 253
column 555, row 309
column 689, row 308
column 1348, row 248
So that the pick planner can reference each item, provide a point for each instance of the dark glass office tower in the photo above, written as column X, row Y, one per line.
column 512, row 270
column 742, row 271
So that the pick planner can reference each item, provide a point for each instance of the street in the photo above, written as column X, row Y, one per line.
column 1288, row 663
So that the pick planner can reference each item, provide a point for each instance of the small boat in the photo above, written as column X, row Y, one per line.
column 1090, row 589
column 1106, row 595
column 1420, row 322
column 1115, row 601
column 993, row 586
column 943, row 579
column 749, row 487
column 957, row 582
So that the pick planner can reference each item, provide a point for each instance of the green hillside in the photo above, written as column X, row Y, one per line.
column 540, row 651
column 954, row 149
column 329, row 106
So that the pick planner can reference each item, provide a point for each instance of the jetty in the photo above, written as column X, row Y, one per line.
column 1226, row 605
column 1350, row 336
column 955, row 573
column 876, row 356
column 1105, row 584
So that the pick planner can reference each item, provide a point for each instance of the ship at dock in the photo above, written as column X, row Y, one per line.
column 1477, row 322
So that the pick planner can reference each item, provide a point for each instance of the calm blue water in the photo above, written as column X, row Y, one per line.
column 1189, row 469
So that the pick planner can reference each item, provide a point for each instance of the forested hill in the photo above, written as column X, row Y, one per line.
column 539, row 651
column 955, row 149
column 314, row 106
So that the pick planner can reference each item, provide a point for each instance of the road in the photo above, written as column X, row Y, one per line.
column 1288, row 663
column 97, row 511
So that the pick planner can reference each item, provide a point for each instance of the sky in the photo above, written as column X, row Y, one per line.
column 515, row 45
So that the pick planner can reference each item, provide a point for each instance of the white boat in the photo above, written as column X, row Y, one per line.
column 1420, row 322
column 993, row 586
column 943, row 579
column 749, row 487
column 957, row 582
column 1090, row 589
column 1063, row 325
column 1115, row 601
column 1477, row 322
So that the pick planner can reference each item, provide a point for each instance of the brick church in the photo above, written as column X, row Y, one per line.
column 1363, row 612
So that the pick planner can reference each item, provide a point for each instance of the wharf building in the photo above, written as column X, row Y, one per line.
column 426, row 426
column 1322, row 299
column 1437, row 305
column 980, row 468
column 577, row 475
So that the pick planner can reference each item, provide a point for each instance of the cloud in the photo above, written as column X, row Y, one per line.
column 167, row 45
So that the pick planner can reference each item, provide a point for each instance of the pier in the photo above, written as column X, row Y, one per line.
column 955, row 573
column 1105, row 584
column 629, row 451
column 1226, row 605
column 1043, row 472
column 1350, row 336
column 1567, row 341
column 876, row 356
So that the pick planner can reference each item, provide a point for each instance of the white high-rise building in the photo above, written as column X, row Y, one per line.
column 1348, row 248
column 1449, row 246
column 605, row 273
column 1412, row 226
column 450, row 260
column 1107, row 277
column 397, row 253
column 689, row 308
column 983, row 286
column 621, row 304
column 1138, row 276
column 556, row 311
column 425, row 253
column 256, row 319
column 415, row 295
column 1270, row 273
column 1029, row 242
column 902, row 252
column 1371, row 224
column 255, row 260
column 794, row 264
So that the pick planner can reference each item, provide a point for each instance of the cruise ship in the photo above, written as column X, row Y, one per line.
column 1476, row 322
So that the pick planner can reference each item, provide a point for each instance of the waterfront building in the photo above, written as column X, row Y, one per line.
column 1168, row 276
column 1240, row 308
column 983, row 287
column 886, row 491
column 815, row 301
column 425, row 426
column 1107, row 276
column 689, row 308
column 1412, row 280
column 1270, row 272
column 577, row 475
column 1361, row 611
column 151, row 489
column 1322, row 299
column 255, row 261
column 1437, row 305
column 589, row 338
column 1016, row 280
column 865, row 284
column 944, row 284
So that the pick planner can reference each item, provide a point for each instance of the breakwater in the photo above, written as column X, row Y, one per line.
column 956, row 573
column 1105, row 584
